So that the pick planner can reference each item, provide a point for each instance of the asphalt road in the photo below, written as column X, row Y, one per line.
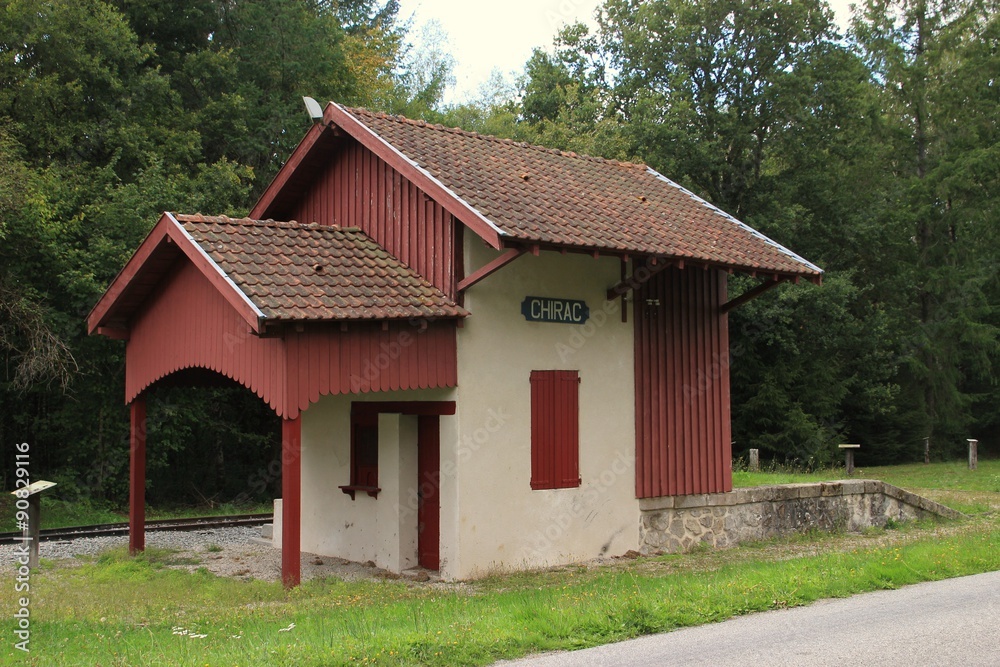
column 951, row 622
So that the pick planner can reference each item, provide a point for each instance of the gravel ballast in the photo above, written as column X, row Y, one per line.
column 227, row 552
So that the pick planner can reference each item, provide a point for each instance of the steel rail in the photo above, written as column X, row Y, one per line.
column 112, row 529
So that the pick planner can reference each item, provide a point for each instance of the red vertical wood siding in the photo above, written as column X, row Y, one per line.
column 358, row 189
column 683, row 430
column 366, row 358
column 555, row 429
column 188, row 324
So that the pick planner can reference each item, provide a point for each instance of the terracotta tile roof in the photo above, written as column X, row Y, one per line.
column 547, row 196
column 294, row 271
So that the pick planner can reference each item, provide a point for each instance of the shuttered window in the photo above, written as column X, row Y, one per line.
column 364, row 454
column 555, row 429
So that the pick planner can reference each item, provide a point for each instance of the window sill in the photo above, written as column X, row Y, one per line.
column 351, row 489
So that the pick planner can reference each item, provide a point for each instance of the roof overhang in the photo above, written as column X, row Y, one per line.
column 165, row 243
column 338, row 123
column 316, row 146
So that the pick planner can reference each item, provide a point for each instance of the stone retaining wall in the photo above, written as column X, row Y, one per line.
column 677, row 523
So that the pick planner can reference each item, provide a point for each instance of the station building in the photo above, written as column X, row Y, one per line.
column 485, row 354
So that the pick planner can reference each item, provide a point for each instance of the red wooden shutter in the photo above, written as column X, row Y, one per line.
column 555, row 429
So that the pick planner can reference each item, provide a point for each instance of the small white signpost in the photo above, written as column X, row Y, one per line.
column 849, row 457
column 31, row 530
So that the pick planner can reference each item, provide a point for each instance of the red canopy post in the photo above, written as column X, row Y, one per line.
column 137, row 476
column 291, row 503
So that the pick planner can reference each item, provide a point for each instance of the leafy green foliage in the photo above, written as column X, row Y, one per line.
column 114, row 111
column 874, row 154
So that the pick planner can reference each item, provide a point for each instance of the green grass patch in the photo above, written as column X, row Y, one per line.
column 953, row 475
column 122, row 611
column 950, row 483
column 747, row 478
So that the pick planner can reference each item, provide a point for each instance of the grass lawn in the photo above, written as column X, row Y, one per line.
column 120, row 611
column 950, row 483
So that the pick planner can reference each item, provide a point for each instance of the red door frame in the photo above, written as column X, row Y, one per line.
column 428, row 415
column 429, row 491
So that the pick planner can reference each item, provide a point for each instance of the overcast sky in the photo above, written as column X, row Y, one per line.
column 501, row 34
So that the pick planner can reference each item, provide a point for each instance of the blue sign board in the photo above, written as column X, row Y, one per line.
column 548, row 309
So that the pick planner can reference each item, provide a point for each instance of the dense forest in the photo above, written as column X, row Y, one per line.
column 874, row 152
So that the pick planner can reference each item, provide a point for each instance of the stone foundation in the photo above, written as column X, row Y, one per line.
column 678, row 523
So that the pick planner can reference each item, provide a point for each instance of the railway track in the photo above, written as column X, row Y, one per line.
column 109, row 529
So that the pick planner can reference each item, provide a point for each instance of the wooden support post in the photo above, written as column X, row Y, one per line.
column 973, row 454
column 749, row 295
column 754, row 460
column 849, row 457
column 492, row 267
column 291, row 501
column 137, row 476
column 927, row 450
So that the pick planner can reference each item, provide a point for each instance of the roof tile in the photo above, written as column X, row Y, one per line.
column 542, row 195
column 294, row 271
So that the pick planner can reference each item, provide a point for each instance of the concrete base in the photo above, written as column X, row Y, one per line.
column 678, row 523
column 276, row 526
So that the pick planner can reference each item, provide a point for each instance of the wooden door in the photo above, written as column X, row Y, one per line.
column 429, row 491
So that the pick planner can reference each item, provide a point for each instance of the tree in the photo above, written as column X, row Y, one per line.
column 928, row 58
column 114, row 111
column 701, row 86
column 425, row 74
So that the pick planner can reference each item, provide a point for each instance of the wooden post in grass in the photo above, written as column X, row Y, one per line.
column 29, row 500
column 754, row 460
column 973, row 454
column 849, row 457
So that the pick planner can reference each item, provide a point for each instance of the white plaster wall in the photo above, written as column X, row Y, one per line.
column 382, row 529
column 502, row 523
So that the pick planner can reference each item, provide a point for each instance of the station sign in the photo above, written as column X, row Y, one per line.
column 549, row 309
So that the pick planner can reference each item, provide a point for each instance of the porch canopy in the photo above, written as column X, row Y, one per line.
column 291, row 311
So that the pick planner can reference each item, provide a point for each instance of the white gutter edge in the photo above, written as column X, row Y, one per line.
column 218, row 268
column 742, row 225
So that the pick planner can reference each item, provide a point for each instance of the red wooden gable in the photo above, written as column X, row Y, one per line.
column 186, row 323
column 180, row 306
column 356, row 188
